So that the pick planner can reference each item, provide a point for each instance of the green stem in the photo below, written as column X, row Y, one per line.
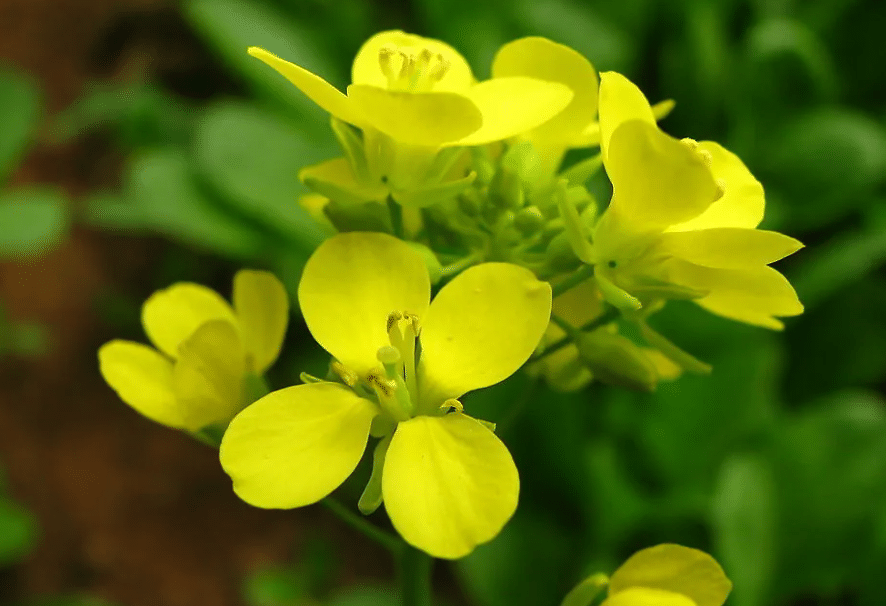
column 415, row 577
column 356, row 521
column 581, row 274
column 396, row 217
column 610, row 315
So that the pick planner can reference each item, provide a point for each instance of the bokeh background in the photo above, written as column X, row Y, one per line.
column 140, row 146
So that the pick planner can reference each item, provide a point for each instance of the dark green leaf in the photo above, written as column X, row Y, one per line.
column 20, row 108
column 32, row 222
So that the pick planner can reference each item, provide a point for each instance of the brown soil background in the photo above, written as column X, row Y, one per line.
column 129, row 511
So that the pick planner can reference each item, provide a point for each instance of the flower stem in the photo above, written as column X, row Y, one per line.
column 356, row 521
column 581, row 274
column 610, row 315
column 415, row 577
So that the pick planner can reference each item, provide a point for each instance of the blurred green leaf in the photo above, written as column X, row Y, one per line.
column 18, row 532
column 365, row 596
column 143, row 114
column 162, row 195
column 253, row 158
column 20, row 108
column 825, row 160
column 32, row 222
column 276, row 587
column 744, row 520
column 525, row 565
column 232, row 26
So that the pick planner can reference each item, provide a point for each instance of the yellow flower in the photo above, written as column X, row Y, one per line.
column 447, row 482
column 668, row 575
column 681, row 223
column 208, row 351
column 421, row 91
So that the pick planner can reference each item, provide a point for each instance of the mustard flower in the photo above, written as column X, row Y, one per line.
column 668, row 575
column 447, row 482
column 682, row 221
column 206, row 351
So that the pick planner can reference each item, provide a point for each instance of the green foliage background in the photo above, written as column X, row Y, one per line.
column 776, row 463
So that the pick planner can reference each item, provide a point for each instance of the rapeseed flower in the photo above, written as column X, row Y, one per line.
column 447, row 482
column 682, row 221
column 208, row 354
column 668, row 575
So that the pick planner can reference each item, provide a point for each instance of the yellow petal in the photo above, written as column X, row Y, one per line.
column 480, row 329
column 367, row 69
column 350, row 286
column 657, row 180
column 208, row 375
column 316, row 88
column 515, row 105
column 262, row 308
column 430, row 118
column 673, row 568
column 296, row 445
column 620, row 102
column 142, row 377
column 752, row 295
column 743, row 202
column 335, row 179
column 172, row 315
column 728, row 247
column 543, row 59
column 449, row 484
column 642, row 596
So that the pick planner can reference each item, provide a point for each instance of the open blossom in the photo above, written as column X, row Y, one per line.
column 668, row 575
column 206, row 350
column 682, row 220
column 447, row 482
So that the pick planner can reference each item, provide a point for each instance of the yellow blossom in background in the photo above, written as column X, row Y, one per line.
column 412, row 96
column 447, row 482
column 682, row 221
column 206, row 351
column 668, row 575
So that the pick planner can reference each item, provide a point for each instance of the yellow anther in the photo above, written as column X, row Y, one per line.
column 393, row 318
column 411, row 69
column 452, row 404
column 690, row 143
column 706, row 157
column 721, row 189
column 348, row 377
column 383, row 386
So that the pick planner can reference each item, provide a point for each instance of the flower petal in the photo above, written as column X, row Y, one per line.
column 208, row 375
column 620, row 102
column 657, row 180
column 296, row 445
column 728, row 247
column 142, row 377
column 172, row 315
column 643, row 596
column 316, row 88
column 743, row 203
column 675, row 568
column 349, row 287
column 449, row 484
column 367, row 68
column 515, row 105
column 480, row 329
column 540, row 58
column 262, row 308
column 751, row 295
column 429, row 119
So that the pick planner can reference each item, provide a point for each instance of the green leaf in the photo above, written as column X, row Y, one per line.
column 365, row 596
column 18, row 532
column 253, row 158
column 162, row 195
column 276, row 587
column 32, row 222
column 20, row 108
column 744, row 518
column 232, row 26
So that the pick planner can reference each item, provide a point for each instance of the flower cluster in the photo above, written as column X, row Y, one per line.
column 459, row 186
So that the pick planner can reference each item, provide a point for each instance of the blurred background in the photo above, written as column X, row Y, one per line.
column 140, row 146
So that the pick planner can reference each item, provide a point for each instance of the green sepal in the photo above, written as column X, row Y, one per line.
column 616, row 296
column 677, row 355
column 586, row 592
column 346, row 194
column 382, row 425
column 352, row 145
column 443, row 163
column 254, row 388
column 616, row 360
column 487, row 424
column 576, row 230
column 371, row 216
column 433, row 194
column 371, row 498
column 650, row 288
column 581, row 172
column 307, row 378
